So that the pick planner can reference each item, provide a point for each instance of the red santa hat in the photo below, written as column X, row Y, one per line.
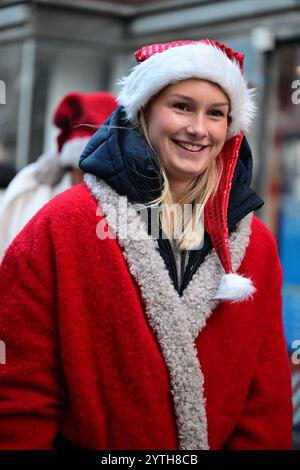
column 78, row 116
column 160, row 65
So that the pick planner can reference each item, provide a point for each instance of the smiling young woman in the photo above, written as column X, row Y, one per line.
column 187, row 126
column 123, row 340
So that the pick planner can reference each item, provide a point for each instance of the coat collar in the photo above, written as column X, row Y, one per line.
column 176, row 321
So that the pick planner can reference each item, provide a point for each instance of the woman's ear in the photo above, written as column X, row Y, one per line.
column 145, row 112
column 143, row 119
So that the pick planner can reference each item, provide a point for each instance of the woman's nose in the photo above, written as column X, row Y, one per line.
column 198, row 126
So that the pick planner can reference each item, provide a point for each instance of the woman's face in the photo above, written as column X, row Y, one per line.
column 187, row 126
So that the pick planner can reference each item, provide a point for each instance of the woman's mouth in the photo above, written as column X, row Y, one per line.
column 193, row 148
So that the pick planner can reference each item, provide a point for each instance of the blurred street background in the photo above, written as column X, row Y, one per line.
column 51, row 47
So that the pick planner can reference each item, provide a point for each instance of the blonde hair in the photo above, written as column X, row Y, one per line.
column 197, row 193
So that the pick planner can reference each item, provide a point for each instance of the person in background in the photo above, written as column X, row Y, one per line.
column 7, row 171
column 121, row 338
column 77, row 117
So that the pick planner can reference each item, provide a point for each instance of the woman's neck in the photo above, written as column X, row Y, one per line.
column 177, row 188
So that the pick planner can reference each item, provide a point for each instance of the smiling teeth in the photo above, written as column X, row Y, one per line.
column 191, row 147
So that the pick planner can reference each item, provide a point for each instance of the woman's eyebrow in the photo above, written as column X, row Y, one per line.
column 189, row 98
column 220, row 104
column 182, row 97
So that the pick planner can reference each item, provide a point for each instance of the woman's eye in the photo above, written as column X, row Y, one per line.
column 216, row 113
column 182, row 106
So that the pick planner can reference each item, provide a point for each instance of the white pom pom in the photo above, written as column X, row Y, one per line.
column 235, row 288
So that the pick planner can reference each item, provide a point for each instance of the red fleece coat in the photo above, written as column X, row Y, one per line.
column 82, row 359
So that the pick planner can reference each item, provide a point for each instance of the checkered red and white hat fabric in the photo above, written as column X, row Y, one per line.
column 147, row 51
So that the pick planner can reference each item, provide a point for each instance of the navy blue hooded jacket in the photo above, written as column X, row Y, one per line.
column 120, row 155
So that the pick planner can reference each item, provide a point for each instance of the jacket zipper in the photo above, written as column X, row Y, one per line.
column 182, row 266
column 190, row 275
column 173, row 264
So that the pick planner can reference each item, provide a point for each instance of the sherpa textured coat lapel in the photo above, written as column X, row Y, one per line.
column 102, row 349
column 176, row 320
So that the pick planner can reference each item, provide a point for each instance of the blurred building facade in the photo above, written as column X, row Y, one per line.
column 50, row 47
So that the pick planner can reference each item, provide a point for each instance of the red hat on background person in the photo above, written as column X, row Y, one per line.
column 78, row 116
column 160, row 65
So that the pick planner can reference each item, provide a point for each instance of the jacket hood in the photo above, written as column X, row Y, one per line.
column 120, row 155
